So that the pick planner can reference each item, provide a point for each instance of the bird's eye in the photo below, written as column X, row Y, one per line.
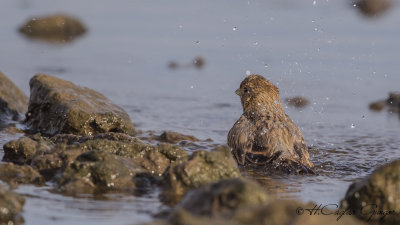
column 245, row 90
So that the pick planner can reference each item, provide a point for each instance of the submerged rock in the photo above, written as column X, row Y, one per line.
column 59, row 106
column 224, row 197
column 376, row 198
column 175, row 137
column 373, row 8
column 12, row 101
column 297, row 101
column 11, row 205
column 55, row 28
column 15, row 175
column 202, row 167
column 392, row 103
column 52, row 155
column 99, row 171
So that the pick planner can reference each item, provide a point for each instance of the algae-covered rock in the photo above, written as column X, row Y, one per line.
column 279, row 212
column 59, row 106
column 11, row 205
column 12, row 101
column 22, row 150
column 99, row 171
column 224, row 197
column 54, row 28
column 201, row 168
column 175, row 137
column 379, row 193
column 16, row 174
column 50, row 155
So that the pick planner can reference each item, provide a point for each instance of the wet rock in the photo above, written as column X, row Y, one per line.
column 394, row 99
column 377, row 193
column 224, row 197
column 202, row 167
column 173, row 65
column 11, row 204
column 377, row 106
column 12, row 101
column 50, row 156
column 11, row 129
column 280, row 212
column 22, row 150
column 392, row 103
column 297, row 101
column 15, row 175
column 372, row 8
column 175, row 137
column 59, row 106
column 154, row 158
column 99, row 171
column 55, row 28
column 199, row 62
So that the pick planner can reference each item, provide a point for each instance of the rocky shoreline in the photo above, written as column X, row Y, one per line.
column 80, row 142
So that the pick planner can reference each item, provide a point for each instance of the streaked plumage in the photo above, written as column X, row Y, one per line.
column 264, row 135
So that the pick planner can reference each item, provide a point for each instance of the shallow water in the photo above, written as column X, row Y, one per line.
column 327, row 52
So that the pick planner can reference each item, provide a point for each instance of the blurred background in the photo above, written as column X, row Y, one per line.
column 174, row 65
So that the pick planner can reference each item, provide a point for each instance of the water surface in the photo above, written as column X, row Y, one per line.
column 327, row 52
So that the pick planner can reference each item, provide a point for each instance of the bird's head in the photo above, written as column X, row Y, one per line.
column 257, row 94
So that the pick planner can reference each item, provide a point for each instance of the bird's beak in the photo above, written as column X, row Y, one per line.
column 238, row 92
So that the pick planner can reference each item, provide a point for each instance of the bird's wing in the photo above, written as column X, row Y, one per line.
column 240, row 139
column 279, row 138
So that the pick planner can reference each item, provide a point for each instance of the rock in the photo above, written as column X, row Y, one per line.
column 22, row 150
column 11, row 205
column 49, row 156
column 59, row 106
column 297, row 101
column 175, row 137
column 12, row 101
column 392, row 103
column 99, row 171
column 372, row 8
column 377, row 106
column 224, row 197
column 198, row 62
column 54, row 28
column 155, row 159
column 394, row 99
column 279, row 212
column 15, row 175
column 173, row 65
column 378, row 193
column 202, row 167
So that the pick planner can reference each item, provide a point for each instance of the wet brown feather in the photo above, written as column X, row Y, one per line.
column 264, row 134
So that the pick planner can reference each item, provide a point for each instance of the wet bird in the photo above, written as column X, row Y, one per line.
column 264, row 136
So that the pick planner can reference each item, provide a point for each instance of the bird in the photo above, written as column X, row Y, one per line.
column 264, row 136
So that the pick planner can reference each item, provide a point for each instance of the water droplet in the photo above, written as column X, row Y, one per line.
column 191, row 86
column 352, row 126
column 255, row 43
column 197, row 42
column 266, row 65
column 234, row 28
column 363, row 117
column 248, row 72
column 180, row 26
column 314, row 2
column 354, row 5
column 258, row 104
